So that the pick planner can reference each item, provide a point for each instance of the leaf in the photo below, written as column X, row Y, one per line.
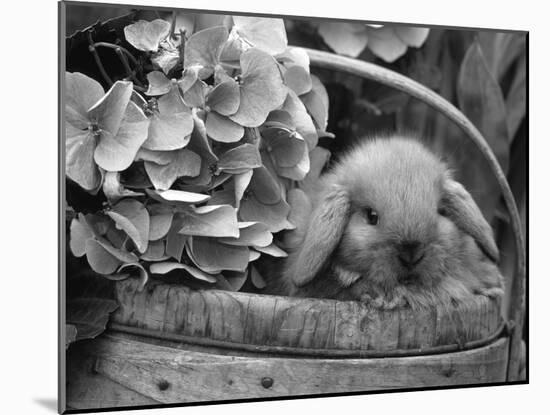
column 113, row 190
column 117, row 152
column 224, row 98
column 251, row 233
column 204, row 48
column 80, row 233
column 385, row 43
column 216, row 221
column 301, row 119
column 184, row 163
column 272, row 250
column 516, row 99
column 262, row 89
column 297, row 79
column 316, row 103
column 412, row 36
column 170, row 128
column 223, row 129
column 266, row 34
column 344, row 38
column 177, row 196
column 481, row 100
column 160, row 220
column 212, row 256
column 70, row 334
column 240, row 159
column 166, row 267
column 81, row 93
column 88, row 307
column 132, row 217
column 146, row 36
column 143, row 275
column 256, row 278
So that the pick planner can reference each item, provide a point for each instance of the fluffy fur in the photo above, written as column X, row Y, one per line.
column 431, row 243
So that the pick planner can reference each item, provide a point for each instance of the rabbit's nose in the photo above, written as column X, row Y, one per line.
column 410, row 253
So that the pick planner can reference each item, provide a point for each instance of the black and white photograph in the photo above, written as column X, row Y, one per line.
column 265, row 207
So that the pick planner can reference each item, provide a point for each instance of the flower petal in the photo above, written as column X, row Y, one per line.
column 177, row 196
column 146, row 36
column 116, row 153
column 160, row 220
column 316, row 103
column 252, row 233
column 81, row 93
column 132, row 217
column 212, row 256
column 223, row 129
column 80, row 233
column 80, row 166
column 109, row 111
column 156, row 251
column 166, row 267
column 297, row 79
column 225, row 98
column 171, row 127
column 101, row 260
column 204, row 49
column 159, row 84
column 262, row 88
column 241, row 182
column 113, row 190
column 301, row 119
column 266, row 34
column 184, row 163
column 240, row 159
column 272, row 250
column 265, row 187
column 211, row 220
column 273, row 216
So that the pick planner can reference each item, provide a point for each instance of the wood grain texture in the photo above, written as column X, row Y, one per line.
column 300, row 323
column 176, row 375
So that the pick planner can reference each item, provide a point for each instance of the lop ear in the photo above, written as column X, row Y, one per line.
column 464, row 212
column 329, row 218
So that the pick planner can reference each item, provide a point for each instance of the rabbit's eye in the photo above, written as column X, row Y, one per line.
column 372, row 216
column 442, row 211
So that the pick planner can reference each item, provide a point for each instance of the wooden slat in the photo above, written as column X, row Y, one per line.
column 262, row 320
column 176, row 375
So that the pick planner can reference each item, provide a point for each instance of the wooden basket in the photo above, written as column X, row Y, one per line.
column 171, row 344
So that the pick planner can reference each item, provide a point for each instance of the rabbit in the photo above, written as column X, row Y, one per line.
column 390, row 227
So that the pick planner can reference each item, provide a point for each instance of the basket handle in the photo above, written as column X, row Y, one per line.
column 516, row 309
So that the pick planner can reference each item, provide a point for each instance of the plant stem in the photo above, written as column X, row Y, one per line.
column 93, row 50
column 129, row 72
column 112, row 46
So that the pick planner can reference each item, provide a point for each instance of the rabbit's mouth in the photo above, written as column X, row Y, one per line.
column 409, row 279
